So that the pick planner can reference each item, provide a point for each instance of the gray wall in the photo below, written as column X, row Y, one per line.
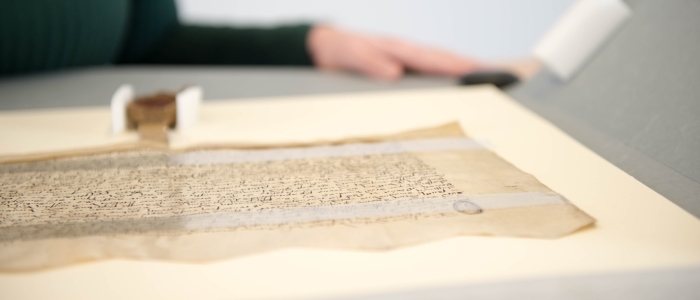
column 486, row 29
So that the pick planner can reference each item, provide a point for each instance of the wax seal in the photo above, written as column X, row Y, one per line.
column 152, row 115
column 155, row 115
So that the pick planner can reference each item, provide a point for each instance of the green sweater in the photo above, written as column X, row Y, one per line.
column 38, row 35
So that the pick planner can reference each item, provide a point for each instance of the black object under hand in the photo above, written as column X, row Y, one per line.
column 500, row 79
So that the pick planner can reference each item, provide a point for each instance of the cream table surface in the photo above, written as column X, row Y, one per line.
column 637, row 228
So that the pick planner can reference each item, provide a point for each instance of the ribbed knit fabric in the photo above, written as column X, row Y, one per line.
column 225, row 45
column 50, row 34
column 38, row 35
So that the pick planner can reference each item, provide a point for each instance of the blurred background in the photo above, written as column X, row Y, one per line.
column 484, row 29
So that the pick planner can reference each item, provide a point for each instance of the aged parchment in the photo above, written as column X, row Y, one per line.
column 203, row 204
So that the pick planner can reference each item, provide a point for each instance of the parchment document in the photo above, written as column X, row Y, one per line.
column 199, row 205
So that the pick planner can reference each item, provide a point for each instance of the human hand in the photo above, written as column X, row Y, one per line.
column 382, row 58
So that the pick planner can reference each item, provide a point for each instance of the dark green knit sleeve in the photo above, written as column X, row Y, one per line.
column 227, row 45
column 155, row 36
column 41, row 35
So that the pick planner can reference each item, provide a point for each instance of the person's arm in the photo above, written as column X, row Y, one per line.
column 157, row 37
column 187, row 44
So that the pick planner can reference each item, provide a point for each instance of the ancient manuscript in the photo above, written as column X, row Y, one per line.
column 197, row 205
